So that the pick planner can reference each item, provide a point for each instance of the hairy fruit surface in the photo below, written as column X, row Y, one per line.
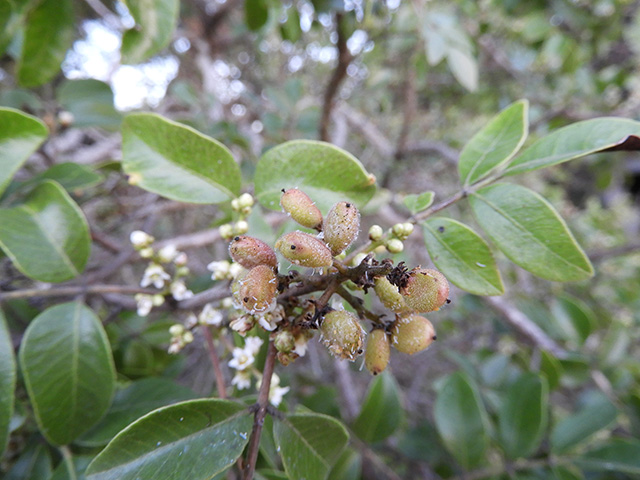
column 256, row 291
column 342, row 334
column 251, row 252
column 341, row 226
column 389, row 295
column 412, row 333
column 376, row 355
column 425, row 290
column 301, row 208
column 305, row 250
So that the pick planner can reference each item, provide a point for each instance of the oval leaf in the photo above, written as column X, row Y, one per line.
column 68, row 370
column 523, row 416
column 418, row 203
column 7, row 381
column 176, row 161
column 381, row 412
column 530, row 232
column 463, row 256
column 91, row 103
column 20, row 136
column 618, row 455
column 196, row 439
column 47, row 237
column 309, row 444
column 575, row 141
column 133, row 402
column 326, row 173
column 256, row 14
column 155, row 22
column 460, row 418
column 495, row 144
column 47, row 37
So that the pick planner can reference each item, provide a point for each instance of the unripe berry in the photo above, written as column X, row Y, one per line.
column 389, row 295
column 341, row 226
column 412, row 333
column 376, row 355
column 241, row 227
column 305, row 250
column 256, row 290
column 251, row 252
column 284, row 341
column 301, row 208
column 375, row 233
column 395, row 246
column 342, row 334
column 245, row 200
column 226, row 231
column 426, row 290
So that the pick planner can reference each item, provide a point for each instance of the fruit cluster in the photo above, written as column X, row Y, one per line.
column 277, row 302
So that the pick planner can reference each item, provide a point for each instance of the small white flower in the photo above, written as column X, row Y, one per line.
column 242, row 379
column 146, row 252
column 253, row 344
column 210, row 316
column 191, row 321
column 268, row 322
column 226, row 302
column 140, row 239
column 242, row 359
column 235, row 269
column 167, row 253
column 301, row 345
column 180, row 291
column 242, row 324
column 276, row 394
column 175, row 347
column 154, row 274
column 176, row 330
column 144, row 304
column 181, row 259
column 220, row 269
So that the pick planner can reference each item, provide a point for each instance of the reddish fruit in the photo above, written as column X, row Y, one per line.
column 251, row 252
column 256, row 291
column 305, row 250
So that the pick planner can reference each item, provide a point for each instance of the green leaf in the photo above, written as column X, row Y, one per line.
column 20, row 136
column 381, row 412
column 155, row 22
column 290, row 30
column 68, row 370
column 91, row 103
column 464, row 67
column 47, row 37
column 309, row 444
column 530, row 232
column 196, row 439
column 12, row 14
column 617, row 455
column 256, row 14
column 495, row 144
column 7, row 381
column 463, row 256
column 460, row 418
column 573, row 318
column 418, row 203
column 133, row 402
column 578, row 140
column 577, row 428
column 47, row 237
column 523, row 416
column 551, row 368
column 33, row 464
column 73, row 469
column 176, row 161
column 326, row 173
column 348, row 466
column 71, row 176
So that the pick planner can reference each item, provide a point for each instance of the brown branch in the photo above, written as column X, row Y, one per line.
column 215, row 362
column 601, row 255
column 74, row 290
column 339, row 73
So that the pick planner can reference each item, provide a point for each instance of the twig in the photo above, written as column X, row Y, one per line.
column 74, row 290
column 601, row 255
column 215, row 362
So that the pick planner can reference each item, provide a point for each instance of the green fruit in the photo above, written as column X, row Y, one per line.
column 305, row 250
column 425, row 290
column 389, row 295
column 412, row 333
column 251, row 252
column 376, row 355
column 301, row 208
column 341, row 226
column 256, row 291
column 342, row 334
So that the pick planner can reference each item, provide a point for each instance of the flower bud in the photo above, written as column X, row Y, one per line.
column 305, row 250
column 342, row 334
column 375, row 233
column 226, row 231
column 256, row 291
column 426, row 290
column 389, row 295
column 412, row 333
column 240, row 228
column 284, row 341
column 341, row 226
column 251, row 252
column 395, row 246
column 245, row 200
column 376, row 355
column 301, row 208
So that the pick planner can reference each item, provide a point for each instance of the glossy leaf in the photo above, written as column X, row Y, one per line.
column 20, row 136
column 7, row 381
column 460, row 418
column 309, row 444
column 418, row 203
column 577, row 140
column 381, row 412
column 463, row 256
column 47, row 37
column 617, row 455
column 530, row 232
column 256, row 13
column 348, row 466
column 523, row 416
column 495, row 144
column 90, row 102
column 155, row 22
column 71, row 176
column 326, row 173
column 196, row 439
column 68, row 370
column 133, row 402
column 47, row 237
column 577, row 428
column 176, row 161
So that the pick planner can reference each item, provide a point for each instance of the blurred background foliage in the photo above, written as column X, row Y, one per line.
column 402, row 86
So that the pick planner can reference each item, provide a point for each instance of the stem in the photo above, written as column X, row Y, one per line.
column 67, row 457
column 440, row 206
column 356, row 303
column 73, row 290
column 215, row 361
column 261, row 412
